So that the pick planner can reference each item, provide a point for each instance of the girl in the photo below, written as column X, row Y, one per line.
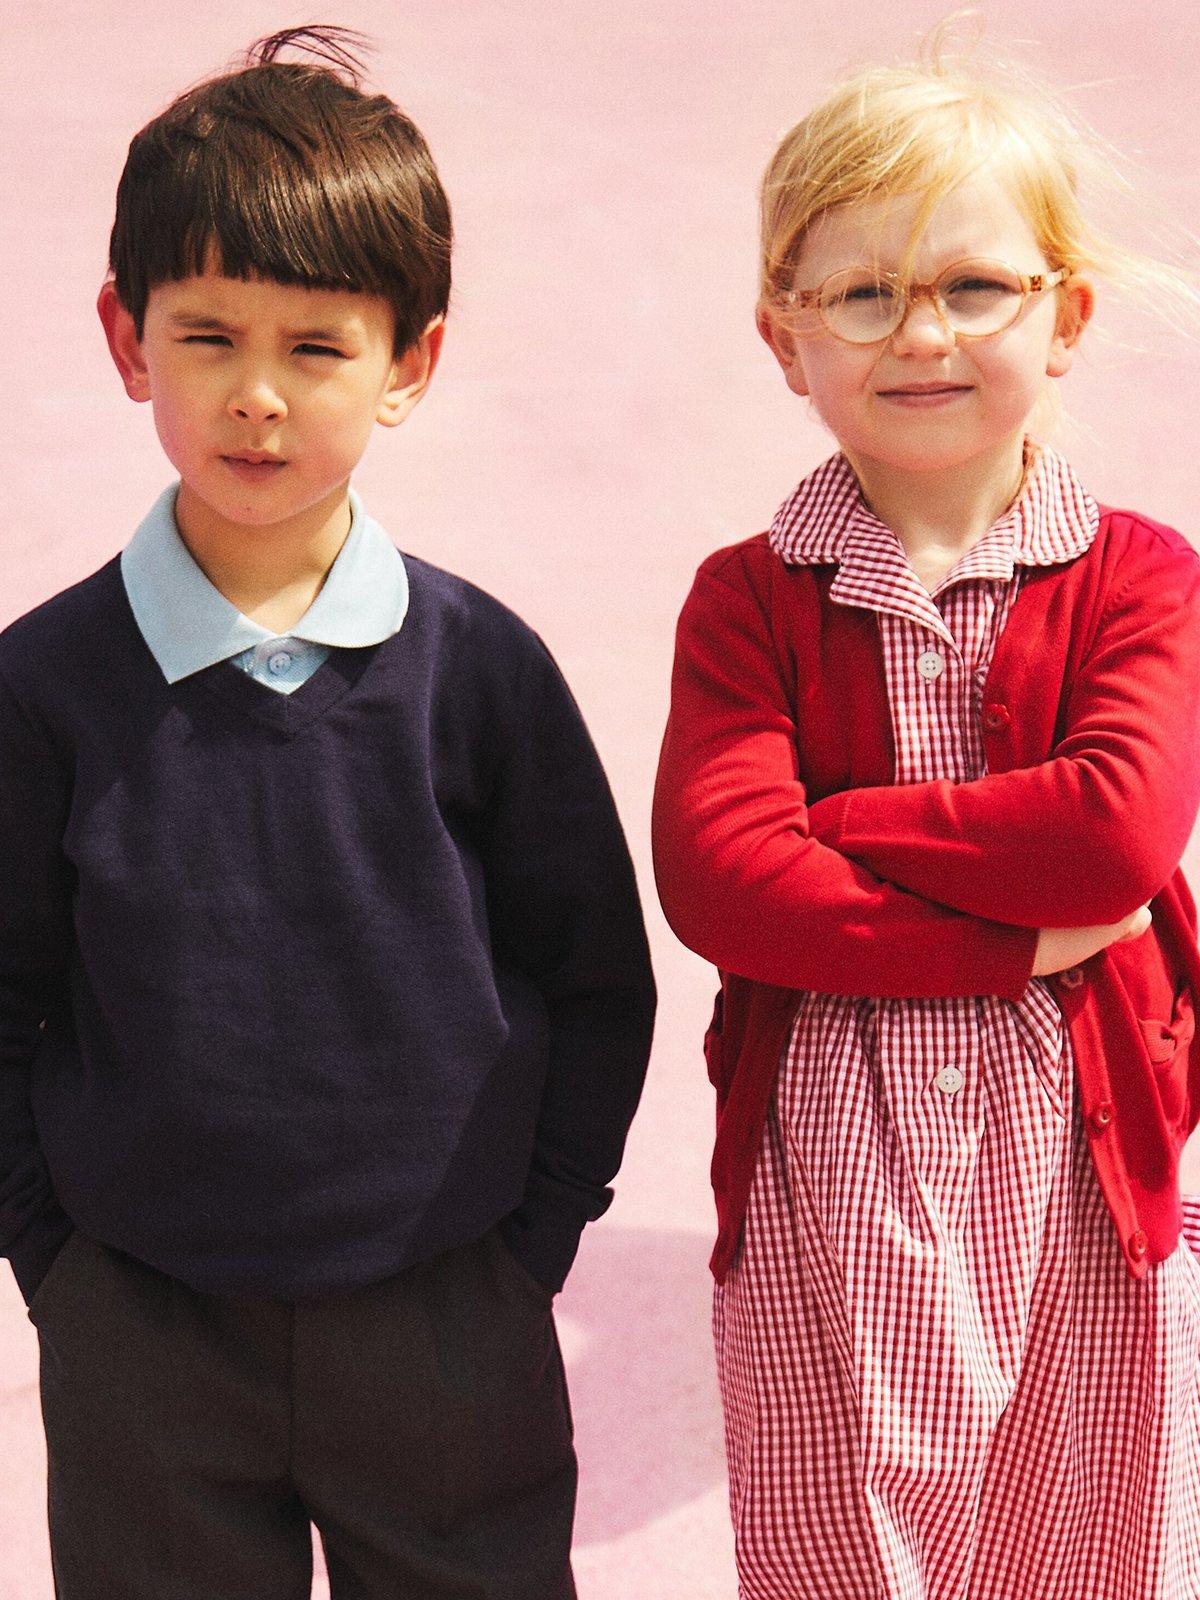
column 932, row 760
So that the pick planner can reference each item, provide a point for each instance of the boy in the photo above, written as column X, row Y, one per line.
column 325, row 999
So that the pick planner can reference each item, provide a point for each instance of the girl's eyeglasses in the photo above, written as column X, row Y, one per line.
column 974, row 298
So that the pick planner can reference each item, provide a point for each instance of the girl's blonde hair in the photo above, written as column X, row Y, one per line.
column 924, row 128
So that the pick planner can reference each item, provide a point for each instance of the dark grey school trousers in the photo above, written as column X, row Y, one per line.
column 421, row 1423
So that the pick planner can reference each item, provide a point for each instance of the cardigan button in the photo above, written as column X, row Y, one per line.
column 1137, row 1245
column 1101, row 1116
column 1071, row 977
column 996, row 717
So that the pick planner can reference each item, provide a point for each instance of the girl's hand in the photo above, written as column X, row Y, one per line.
column 1067, row 947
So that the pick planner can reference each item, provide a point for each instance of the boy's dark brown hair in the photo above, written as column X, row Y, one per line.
column 286, row 171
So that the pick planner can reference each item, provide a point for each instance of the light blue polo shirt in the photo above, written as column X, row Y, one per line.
column 188, row 623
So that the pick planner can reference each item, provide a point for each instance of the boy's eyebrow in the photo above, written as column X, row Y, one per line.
column 190, row 319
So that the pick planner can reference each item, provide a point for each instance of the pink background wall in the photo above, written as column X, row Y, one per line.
column 604, row 416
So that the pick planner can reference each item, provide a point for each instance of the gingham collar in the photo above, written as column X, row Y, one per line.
column 1053, row 519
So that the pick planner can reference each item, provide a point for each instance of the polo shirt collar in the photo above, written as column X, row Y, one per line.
column 825, row 519
column 188, row 624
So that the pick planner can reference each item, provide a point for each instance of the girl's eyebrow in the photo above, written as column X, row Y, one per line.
column 188, row 319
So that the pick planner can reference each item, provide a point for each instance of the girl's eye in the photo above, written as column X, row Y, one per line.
column 868, row 292
column 210, row 338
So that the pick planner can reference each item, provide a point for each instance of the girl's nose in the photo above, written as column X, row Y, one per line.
column 923, row 328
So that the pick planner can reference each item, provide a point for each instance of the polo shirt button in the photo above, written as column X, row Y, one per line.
column 931, row 665
column 1071, row 977
column 996, row 717
column 1101, row 1116
column 279, row 662
column 1137, row 1244
column 949, row 1080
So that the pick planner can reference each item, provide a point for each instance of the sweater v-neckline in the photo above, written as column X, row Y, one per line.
column 289, row 714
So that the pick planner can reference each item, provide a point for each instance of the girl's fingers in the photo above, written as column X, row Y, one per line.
column 1138, row 924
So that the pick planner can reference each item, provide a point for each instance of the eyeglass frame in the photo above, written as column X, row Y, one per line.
column 1031, row 283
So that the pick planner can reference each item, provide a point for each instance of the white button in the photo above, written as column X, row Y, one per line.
column 279, row 662
column 949, row 1080
column 931, row 664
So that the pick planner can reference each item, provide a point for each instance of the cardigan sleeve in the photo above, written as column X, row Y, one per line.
column 741, row 880
column 34, row 933
column 1095, row 831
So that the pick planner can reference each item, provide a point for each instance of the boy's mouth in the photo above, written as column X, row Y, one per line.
column 253, row 471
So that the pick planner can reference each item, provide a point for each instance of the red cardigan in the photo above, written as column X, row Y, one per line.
column 785, row 854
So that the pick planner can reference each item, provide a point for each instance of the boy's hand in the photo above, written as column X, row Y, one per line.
column 1067, row 947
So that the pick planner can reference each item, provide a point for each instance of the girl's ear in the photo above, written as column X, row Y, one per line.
column 783, row 347
column 1077, row 302
column 782, row 344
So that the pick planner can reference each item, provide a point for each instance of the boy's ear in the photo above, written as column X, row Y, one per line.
column 412, row 374
column 122, row 342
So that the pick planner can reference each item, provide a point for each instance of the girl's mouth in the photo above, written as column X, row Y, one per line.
column 923, row 397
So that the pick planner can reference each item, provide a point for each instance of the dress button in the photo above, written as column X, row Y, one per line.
column 931, row 665
column 1071, row 977
column 1101, row 1116
column 1137, row 1244
column 279, row 662
column 996, row 717
column 949, row 1080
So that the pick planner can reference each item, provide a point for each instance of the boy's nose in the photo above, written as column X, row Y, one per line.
column 260, row 402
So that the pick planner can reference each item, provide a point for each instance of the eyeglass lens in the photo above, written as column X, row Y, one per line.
column 979, row 297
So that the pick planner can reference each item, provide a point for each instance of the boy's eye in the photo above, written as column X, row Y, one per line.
column 209, row 338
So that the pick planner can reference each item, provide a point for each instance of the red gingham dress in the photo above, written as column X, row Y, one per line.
column 939, row 1380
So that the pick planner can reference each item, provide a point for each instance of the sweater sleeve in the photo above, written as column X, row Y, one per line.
column 34, row 932
column 565, row 912
column 742, row 881
column 1095, row 831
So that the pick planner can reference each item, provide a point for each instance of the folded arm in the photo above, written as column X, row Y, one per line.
column 1095, row 831
column 741, row 880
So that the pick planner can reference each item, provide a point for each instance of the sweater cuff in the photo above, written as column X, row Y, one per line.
column 33, row 1251
column 827, row 819
column 1016, row 948
column 543, row 1240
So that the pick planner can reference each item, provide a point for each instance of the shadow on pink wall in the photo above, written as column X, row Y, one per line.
column 643, row 1386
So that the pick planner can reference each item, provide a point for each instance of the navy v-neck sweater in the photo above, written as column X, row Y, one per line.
column 296, row 991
